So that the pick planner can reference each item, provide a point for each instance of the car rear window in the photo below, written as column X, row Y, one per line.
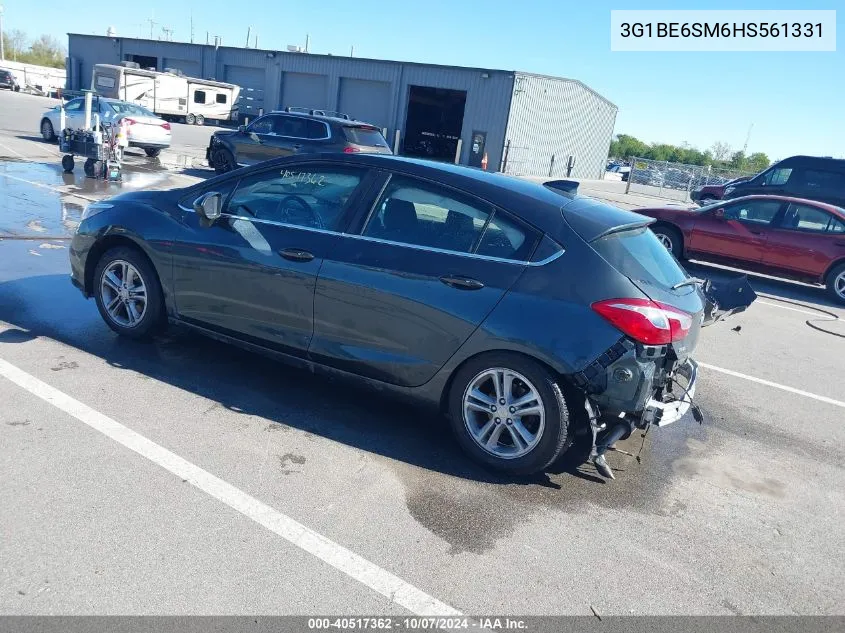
column 369, row 136
column 122, row 107
column 639, row 255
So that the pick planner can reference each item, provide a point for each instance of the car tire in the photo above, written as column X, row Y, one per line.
column 148, row 317
column 671, row 238
column 152, row 152
column 835, row 283
column 200, row 119
column 190, row 119
column 548, row 433
column 47, row 131
column 222, row 160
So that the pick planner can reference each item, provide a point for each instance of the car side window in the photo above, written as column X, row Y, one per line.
column 506, row 238
column 309, row 196
column 778, row 176
column 420, row 214
column 815, row 180
column 263, row 125
column 754, row 211
column 73, row 105
column 836, row 226
column 802, row 217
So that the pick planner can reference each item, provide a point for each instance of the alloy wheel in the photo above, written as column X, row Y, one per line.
column 839, row 285
column 665, row 240
column 503, row 412
column 123, row 293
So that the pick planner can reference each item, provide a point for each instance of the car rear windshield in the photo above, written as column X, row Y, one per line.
column 639, row 255
column 370, row 136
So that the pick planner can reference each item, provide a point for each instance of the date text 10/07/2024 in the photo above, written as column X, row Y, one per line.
column 417, row 623
column 721, row 29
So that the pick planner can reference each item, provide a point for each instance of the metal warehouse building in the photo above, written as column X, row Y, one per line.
column 525, row 123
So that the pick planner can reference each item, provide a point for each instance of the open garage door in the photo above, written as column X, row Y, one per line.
column 251, row 81
column 366, row 100
column 301, row 90
column 434, row 122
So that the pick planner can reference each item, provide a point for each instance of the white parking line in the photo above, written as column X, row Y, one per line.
column 769, row 383
column 342, row 559
column 820, row 315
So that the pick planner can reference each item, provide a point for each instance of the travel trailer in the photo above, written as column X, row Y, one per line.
column 169, row 94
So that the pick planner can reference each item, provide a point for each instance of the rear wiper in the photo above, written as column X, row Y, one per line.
column 688, row 282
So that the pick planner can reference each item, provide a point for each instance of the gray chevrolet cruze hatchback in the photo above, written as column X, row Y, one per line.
column 522, row 314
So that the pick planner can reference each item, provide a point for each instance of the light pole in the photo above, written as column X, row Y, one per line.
column 2, row 50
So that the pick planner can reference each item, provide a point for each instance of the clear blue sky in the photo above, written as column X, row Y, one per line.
column 795, row 100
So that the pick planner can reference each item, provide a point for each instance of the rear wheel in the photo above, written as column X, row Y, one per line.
column 508, row 413
column 152, row 152
column 222, row 160
column 836, row 283
column 128, row 292
column 200, row 119
column 671, row 238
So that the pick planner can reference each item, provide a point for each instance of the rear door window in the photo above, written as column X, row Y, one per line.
column 364, row 135
column 802, row 217
column 822, row 181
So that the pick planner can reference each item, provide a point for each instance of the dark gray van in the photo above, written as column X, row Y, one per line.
column 810, row 177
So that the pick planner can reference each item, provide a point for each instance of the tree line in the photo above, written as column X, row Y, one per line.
column 720, row 155
column 42, row 51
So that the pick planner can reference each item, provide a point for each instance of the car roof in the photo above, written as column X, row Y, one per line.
column 321, row 117
column 547, row 209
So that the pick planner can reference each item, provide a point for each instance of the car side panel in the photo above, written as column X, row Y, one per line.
column 802, row 252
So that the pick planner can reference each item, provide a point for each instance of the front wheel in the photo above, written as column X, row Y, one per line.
column 47, row 132
column 509, row 413
column 128, row 292
column 222, row 160
column 836, row 284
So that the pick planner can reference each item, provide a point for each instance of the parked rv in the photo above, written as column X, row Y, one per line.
column 168, row 94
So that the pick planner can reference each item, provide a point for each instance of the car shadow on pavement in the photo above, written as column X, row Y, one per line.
column 247, row 383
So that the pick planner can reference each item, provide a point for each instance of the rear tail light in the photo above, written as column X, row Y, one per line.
column 646, row 321
column 165, row 125
column 351, row 150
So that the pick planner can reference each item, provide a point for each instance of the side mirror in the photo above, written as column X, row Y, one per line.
column 719, row 213
column 209, row 205
column 242, row 129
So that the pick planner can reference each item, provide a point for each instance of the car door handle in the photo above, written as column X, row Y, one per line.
column 462, row 283
column 297, row 145
column 296, row 255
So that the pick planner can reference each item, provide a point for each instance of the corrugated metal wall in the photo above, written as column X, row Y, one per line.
column 561, row 118
column 549, row 116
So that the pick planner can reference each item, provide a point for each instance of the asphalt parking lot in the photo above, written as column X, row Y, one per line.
column 184, row 476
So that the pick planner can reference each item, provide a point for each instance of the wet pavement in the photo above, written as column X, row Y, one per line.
column 39, row 200
column 739, row 515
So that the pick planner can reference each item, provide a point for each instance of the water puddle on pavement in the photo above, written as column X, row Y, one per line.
column 40, row 200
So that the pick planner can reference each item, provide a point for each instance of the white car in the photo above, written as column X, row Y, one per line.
column 146, row 130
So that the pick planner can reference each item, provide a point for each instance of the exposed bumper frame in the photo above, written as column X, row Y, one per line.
column 664, row 413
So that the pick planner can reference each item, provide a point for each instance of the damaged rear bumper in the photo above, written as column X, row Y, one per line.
column 661, row 413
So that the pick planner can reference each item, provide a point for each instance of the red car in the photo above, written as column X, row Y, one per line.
column 776, row 235
column 711, row 193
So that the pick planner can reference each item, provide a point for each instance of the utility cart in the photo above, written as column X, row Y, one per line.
column 100, row 145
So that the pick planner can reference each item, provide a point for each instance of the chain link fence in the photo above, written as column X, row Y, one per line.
column 675, row 181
